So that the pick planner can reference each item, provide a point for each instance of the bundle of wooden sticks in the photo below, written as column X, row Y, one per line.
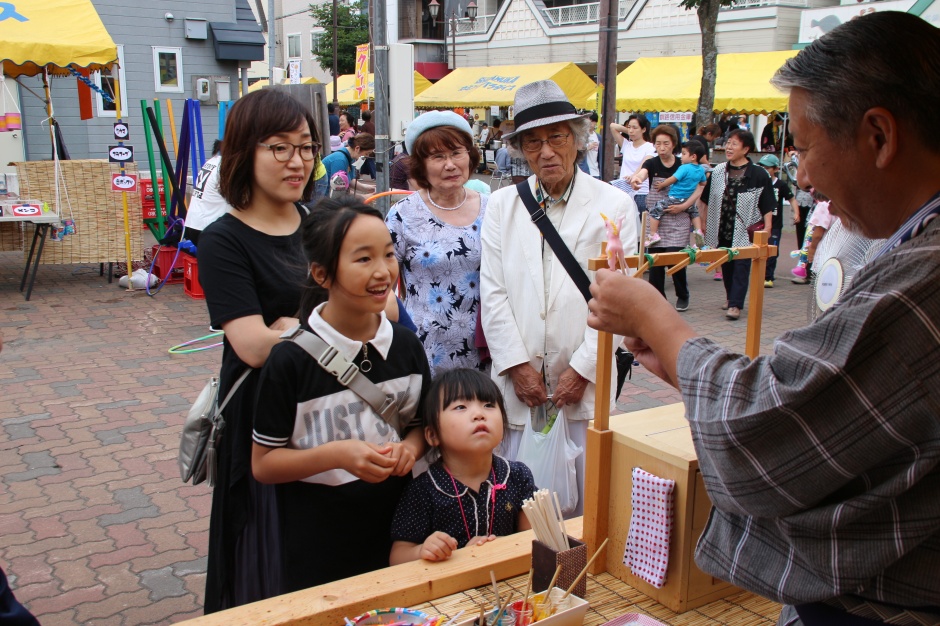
column 548, row 524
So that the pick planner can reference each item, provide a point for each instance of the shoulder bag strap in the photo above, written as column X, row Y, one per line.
column 348, row 374
column 231, row 392
column 540, row 219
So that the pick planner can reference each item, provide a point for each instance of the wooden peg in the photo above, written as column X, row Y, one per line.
column 678, row 266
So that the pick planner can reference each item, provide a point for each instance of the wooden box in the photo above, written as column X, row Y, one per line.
column 545, row 561
column 660, row 442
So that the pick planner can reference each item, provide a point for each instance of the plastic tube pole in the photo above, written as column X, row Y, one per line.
column 153, row 166
column 167, row 172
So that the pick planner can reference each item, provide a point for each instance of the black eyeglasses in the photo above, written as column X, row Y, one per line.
column 284, row 152
column 531, row 144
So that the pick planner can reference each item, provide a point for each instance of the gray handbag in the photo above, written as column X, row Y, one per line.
column 202, row 432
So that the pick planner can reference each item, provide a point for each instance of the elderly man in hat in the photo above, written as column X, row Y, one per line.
column 534, row 314
column 822, row 459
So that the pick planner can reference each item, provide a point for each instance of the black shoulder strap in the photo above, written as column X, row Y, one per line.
column 540, row 219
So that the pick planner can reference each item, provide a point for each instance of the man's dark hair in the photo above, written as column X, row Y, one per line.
column 845, row 73
column 330, row 108
column 593, row 116
column 366, row 116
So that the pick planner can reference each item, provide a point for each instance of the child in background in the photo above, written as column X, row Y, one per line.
column 689, row 176
column 818, row 223
column 470, row 495
column 782, row 194
column 339, row 467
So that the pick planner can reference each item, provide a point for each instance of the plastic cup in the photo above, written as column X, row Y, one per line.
column 541, row 606
column 508, row 618
column 559, row 604
column 523, row 613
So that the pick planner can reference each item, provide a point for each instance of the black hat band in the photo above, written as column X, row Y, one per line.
column 541, row 111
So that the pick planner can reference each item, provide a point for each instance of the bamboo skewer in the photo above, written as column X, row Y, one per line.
column 561, row 521
column 584, row 571
column 499, row 603
column 528, row 589
column 551, row 585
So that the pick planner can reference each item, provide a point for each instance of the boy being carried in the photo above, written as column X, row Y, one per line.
column 689, row 176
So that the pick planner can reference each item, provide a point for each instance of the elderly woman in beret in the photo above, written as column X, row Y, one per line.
column 534, row 316
column 436, row 232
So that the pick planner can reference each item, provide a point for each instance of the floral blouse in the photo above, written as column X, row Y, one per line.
column 441, row 271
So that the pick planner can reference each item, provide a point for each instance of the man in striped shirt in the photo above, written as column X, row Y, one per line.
column 822, row 459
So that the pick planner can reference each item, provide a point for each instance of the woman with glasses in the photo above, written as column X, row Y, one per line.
column 252, row 267
column 534, row 314
column 362, row 146
column 436, row 232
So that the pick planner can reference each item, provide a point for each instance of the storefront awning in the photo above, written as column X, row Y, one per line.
column 346, row 88
column 496, row 86
column 53, row 33
column 673, row 83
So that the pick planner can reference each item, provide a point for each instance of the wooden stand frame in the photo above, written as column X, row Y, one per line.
column 420, row 581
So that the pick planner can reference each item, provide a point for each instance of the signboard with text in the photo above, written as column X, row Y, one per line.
column 362, row 72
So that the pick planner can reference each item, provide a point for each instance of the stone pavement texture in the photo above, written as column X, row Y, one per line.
column 95, row 526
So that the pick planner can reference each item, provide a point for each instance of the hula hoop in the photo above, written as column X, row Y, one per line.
column 154, row 262
column 181, row 348
column 393, row 192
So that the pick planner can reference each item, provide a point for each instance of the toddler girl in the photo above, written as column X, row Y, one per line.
column 339, row 466
column 470, row 494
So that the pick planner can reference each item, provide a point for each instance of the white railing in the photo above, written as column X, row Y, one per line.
column 480, row 25
column 750, row 4
column 582, row 13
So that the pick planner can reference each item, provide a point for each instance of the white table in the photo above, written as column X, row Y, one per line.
column 43, row 223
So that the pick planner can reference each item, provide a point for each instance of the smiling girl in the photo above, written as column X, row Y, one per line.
column 470, row 495
column 339, row 467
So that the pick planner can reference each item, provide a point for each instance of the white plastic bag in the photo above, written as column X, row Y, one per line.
column 551, row 457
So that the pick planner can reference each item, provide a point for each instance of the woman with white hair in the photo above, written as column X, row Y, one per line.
column 534, row 315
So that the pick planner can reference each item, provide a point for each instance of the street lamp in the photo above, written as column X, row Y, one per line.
column 434, row 8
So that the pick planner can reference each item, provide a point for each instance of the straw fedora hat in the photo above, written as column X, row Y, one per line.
column 540, row 104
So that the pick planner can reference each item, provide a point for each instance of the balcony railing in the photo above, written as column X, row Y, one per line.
column 750, row 4
column 480, row 25
column 582, row 13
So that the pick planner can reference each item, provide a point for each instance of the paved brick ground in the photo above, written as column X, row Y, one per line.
column 95, row 526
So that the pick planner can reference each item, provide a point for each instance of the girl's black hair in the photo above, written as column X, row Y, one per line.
column 323, row 233
column 460, row 384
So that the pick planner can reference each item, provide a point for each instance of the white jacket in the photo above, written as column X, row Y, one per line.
column 517, row 326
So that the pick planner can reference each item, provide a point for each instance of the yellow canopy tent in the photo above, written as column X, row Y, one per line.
column 496, row 86
column 346, row 88
column 673, row 83
column 310, row 80
column 45, row 37
column 53, row 34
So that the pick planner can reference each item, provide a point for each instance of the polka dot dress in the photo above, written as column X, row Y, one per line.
column 431, row 504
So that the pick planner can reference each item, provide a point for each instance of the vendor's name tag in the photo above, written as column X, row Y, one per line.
column 118, row 154
column 123, row 182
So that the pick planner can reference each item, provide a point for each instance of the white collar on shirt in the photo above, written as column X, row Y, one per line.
column 347, row 347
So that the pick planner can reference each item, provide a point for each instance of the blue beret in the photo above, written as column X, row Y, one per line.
column 433, row 119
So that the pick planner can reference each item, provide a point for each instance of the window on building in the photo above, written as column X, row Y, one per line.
column 105, row 80
column 168, row 69
column 317, row 40
column 293, row 46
